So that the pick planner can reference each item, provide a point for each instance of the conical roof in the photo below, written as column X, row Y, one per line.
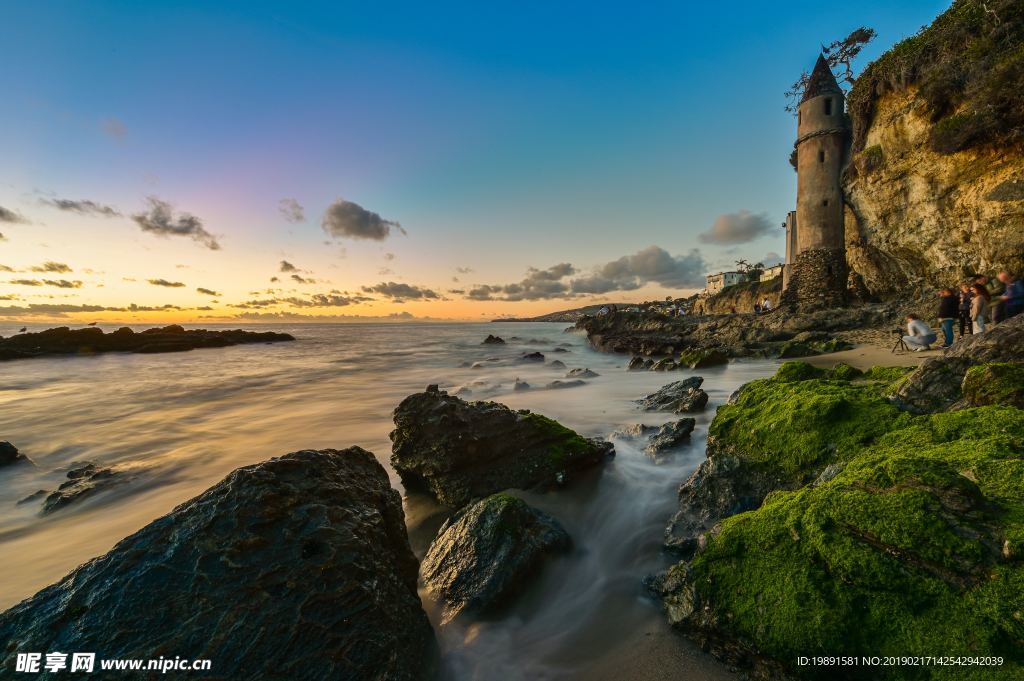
column 821, row 82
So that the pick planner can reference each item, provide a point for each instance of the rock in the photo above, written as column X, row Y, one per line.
column 671, row 435
column 83, row 481
column 9, row 454
column 459, row 451
column 500, row 531
column 680, row 396
column 701, row 358
column 997, row 383
column 533, row 357
column 789, row 372
column 582, row 373
column 557, row 364
column 558, row 385
column 638, row 363
column 295, row 567
column 91, row 340
column 35, row 496
column 936, row 385
column 844, row 372
column 493, row 340
column 520, row 385
column 791, row 349
column 665, row 364
column 561, row 349
column 634, row 431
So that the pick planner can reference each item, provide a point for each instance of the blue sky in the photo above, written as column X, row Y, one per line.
column 502, row 136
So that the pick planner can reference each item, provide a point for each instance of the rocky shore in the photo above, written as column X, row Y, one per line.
column 91, row 341
column 860, row 513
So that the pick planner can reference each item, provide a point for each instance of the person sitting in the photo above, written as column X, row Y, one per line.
column 979, row 308
column 948, row 312
column 920, row 335
column 766, row 305
column 757, row 308
column 965, row 308
column 1013, row 295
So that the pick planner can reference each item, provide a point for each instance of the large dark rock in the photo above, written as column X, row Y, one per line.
column 298, row 567
column 582, row 373
column 936, row 385
column 91, row 340
column 681, row 396
column 459, row 451
column 9, row 454
column 493, row 340
column 84, row 480
column 487, row 550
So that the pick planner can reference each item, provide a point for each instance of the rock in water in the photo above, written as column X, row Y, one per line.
column 84, row 480
column 680, row 396
column 703, row 357
column 9, row 454
column 460, row 451
column 486, row 550
column 533, row 357
column 671, row 435
column 581, row 373
column 297, row 567
column 493, row 340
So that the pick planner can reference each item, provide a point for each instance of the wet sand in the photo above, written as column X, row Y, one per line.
column 867, row 356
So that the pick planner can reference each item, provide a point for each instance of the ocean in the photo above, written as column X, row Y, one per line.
column 175, row 424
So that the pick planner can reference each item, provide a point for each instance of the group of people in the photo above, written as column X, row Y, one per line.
column 979, row 304
column 764, row 306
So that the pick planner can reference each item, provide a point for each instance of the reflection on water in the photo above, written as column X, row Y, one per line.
column 178, row 423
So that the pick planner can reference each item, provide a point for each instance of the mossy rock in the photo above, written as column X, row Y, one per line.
column 703, row 357
column 886, row 374
column 831, row 345
column 913, row 548
column 997, row 383
column 844, row 372
column 665, row 364
column 791, row 349
column 797, row 371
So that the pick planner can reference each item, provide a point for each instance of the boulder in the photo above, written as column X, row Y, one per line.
column 936, row 385
column 9, row 454
column 680, row 396
column 459, row 451
column 638, row 363
column 582, row 373
column 665, row 364
column 486, row 551
column 671, row 435
column 997, row 383
column 633, row 431
column 558, row 385
column 533, row 357
column 297, row 567
column 520, row 385
column 493, row 340
column 557, row 364
column 83, row 481
column 699, row 358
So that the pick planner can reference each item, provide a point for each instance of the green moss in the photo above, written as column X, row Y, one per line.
column 899, row 554
column 844, row 372
column 886, row 374
column 796, row 425
column 995, row 383
column 870, row 159
column 792, row 349
column 698, row 358
column 564, row 442
column 797, row 371
column 831, row 345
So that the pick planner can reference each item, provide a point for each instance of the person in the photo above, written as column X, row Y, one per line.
column 919, row 335
column 965, row 309
column 766, row 305
column 979, row 309
column 1013, row 294
column 994, row 302
column 948, row 311
column 757, row 308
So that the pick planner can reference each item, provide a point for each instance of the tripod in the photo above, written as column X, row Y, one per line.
column 900, row 345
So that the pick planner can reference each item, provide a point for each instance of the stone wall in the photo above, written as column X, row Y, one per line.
column 818, row 280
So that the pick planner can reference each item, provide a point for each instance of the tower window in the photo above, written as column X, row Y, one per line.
column 825, row 202
column 821, row 156
column 828, row 106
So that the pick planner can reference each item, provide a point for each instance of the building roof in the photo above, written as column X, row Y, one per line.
column 821, row 82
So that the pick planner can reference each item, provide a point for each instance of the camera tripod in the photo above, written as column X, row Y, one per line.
column 900, row 345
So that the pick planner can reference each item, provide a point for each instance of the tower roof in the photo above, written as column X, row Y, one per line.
column 821, row 82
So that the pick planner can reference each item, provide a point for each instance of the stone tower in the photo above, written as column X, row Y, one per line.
column 816, row 249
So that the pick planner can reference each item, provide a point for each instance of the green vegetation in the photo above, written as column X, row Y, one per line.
column 870, row 159
column 844, row 372
column 969, row 67
column 698, row 358
column 914, row 547
column 564, row 443
column 995, row 383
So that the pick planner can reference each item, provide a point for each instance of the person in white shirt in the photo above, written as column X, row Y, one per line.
column 766, row 306
column 920, row 335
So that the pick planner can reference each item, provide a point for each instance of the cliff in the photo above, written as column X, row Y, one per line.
column 935, row 186
column 740, row 297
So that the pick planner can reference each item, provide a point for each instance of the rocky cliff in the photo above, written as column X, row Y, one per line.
column 935, row 186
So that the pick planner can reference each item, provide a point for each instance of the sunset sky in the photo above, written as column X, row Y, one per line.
column 260, row 161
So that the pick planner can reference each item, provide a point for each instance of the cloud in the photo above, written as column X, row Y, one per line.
column 401, row 292
column 25, row 282
column 737, row 228
column 2, row 237
column 651, row 265
column 288, row 267
column 299, row 279
column 537, row 285
column 160, row 220
column 464, row 270
column 771, row 258
column 299, row 317
column 62, row 283
column 332, row 299
column 207, row 291
column 5, row 268
column 164, row 282
column 291, row 210
column 7, row 215
column 347, row 220
column 389, row 256
column 114, row 128
column 51, row 266
column 82, row 207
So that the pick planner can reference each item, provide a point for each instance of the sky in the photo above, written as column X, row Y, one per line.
column 337, row 161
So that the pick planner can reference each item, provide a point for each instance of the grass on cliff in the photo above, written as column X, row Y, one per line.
column 916, row 547
column 969, row 67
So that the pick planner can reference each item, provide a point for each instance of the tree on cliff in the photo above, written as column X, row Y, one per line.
column 839, row 54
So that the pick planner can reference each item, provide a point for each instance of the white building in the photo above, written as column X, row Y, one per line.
column 771, row 272
column 719, row 280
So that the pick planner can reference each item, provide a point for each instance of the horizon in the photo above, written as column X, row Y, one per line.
column 346, row 164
